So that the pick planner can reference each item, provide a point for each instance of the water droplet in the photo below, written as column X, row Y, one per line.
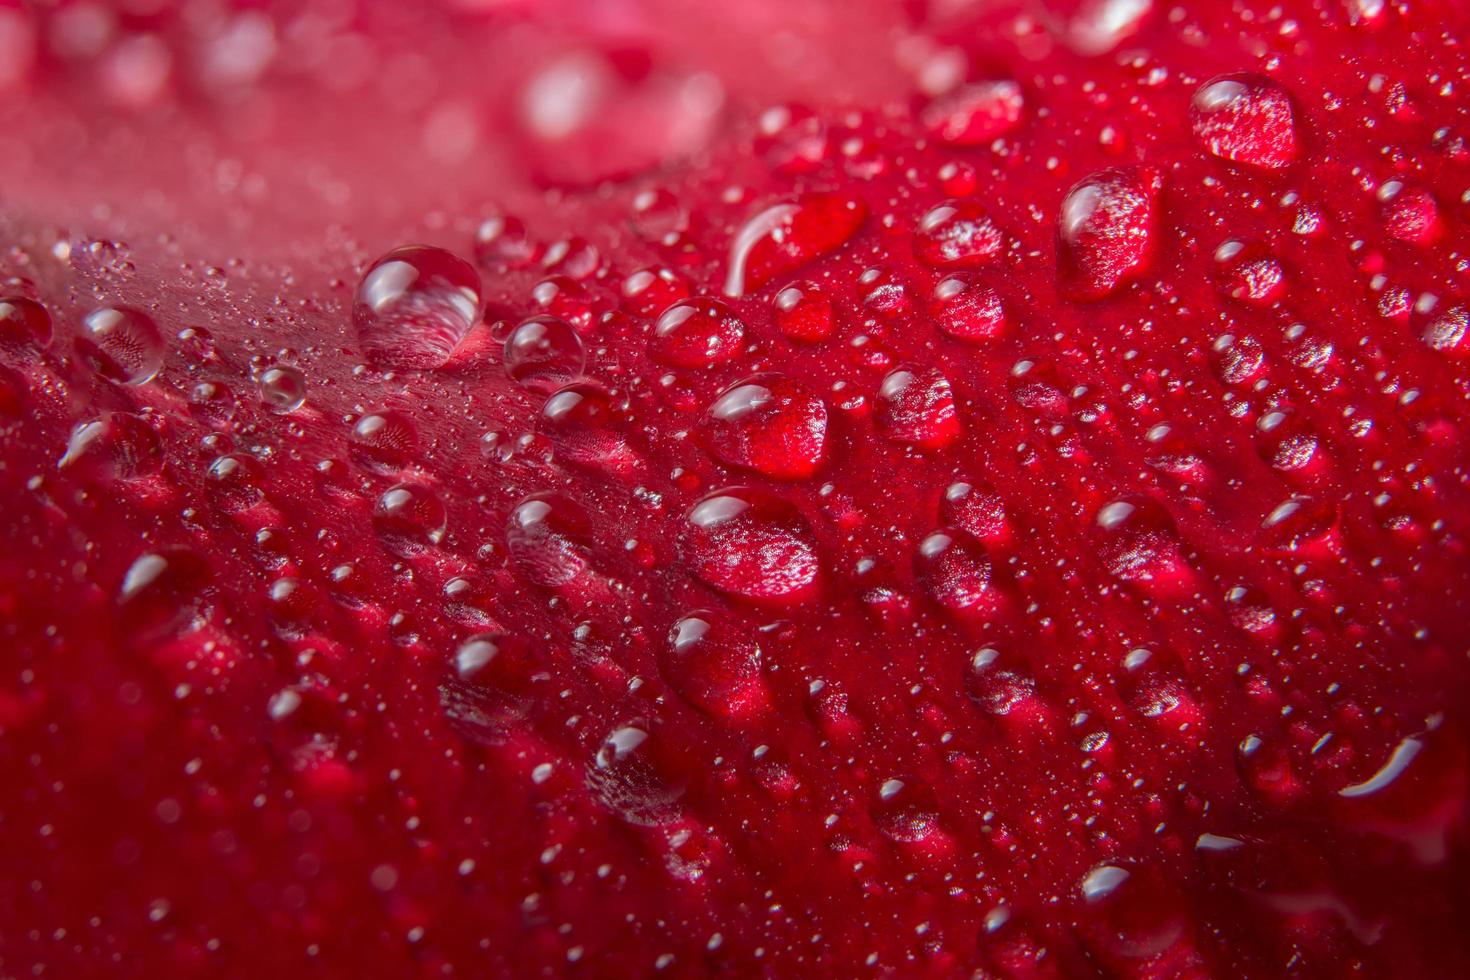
column 282, row 389
column 649, row 290
column 977, row 510
column 1298, row 522
column 1153, row 685
column 117, row 446
column 1133, row 912
column 753, row 546
column 770, row 424
column 488, row 692
column 578, row 422
column 25, row 326
column 975, row 114
column 997, row 682
column 213, row 403
column 1245, row 118
column 414, row 306
column 906, row 810
column 658, row 214
column 1247, row 274
column 916, row 405
column 1449, row 332
column 803, row 313
column 544, row 353
column 1139, row 543
column 696, row 333
column 785, row 237
column 503, row 241
column 121, row 345
column 791, row 139
column 712, row 664
column 384, row 441
column 409, row 519
column 547, row 537
column 161, row 592
column 968, row 311
column 957, row 574
column 629, row 778
column 235, row 482
column 1410, row 214
column 1105, row 231
column 958, row 235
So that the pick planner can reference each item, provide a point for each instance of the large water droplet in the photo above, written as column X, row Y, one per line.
column 409, row 519
column 785, row 237
column 770, row 424
column 117, row 446
column 282, row 389
column 487, row 693
column 957, row 574
column 547, row 538
column 121, row 344
column 1245, row 118
column 414, row 306
column 25, row 326
column 544, row 353
column 803, row 312
column 695, row 333
column 916, row 406
column 958, row 235
column 1105, row 231
column 975, row 114
column 754, row 546
column 968, row 311
column 713, row 665
column 631, row 780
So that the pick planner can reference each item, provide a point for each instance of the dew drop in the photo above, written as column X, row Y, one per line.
column 121, row 344
column 544, row 353
column 414, row 306
column 770, row 424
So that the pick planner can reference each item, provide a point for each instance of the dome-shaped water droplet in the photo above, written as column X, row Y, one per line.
column 975, row 509
column 409, row 519
column 770, row 424
column 488, row 690
column 25, row 326
column 958, row 235
column 630, row 779
column 544, row 353
column 967, row 311
column 236, row 482
column 696, row 333
column 121, row 344
column 547, row 539
column 976, row 113
column 502, row 240
column 916, row 405
column 906, row 810
column 117, row 446
column 958, row 575
column 1106, row 230
column 785, row 237
column 282, row 389
column 384, row 441
column 753, row 546
column 711, row 663
column 998, row 682
column 578, row 421
column 1245, row 118
column 1138, row 542
column 414, row 306
column 803, row 312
